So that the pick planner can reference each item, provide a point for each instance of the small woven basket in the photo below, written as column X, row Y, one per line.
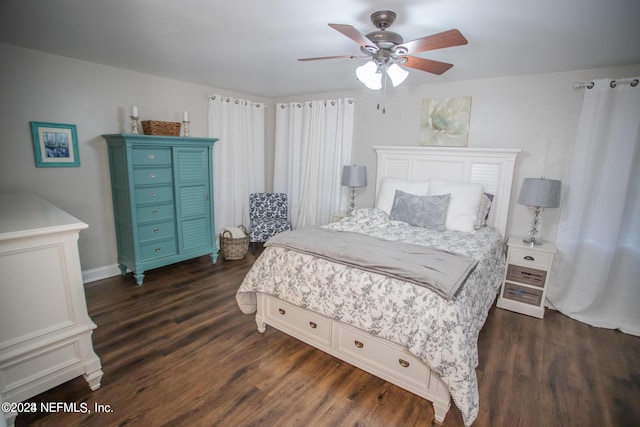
column 154, row 127
column 231, row 248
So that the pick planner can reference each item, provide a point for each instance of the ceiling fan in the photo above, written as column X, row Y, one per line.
column 387, row 50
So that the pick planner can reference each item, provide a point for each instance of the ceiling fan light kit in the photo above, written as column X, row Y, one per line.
column 386, row 51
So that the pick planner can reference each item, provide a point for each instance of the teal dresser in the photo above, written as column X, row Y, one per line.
column 162, row 189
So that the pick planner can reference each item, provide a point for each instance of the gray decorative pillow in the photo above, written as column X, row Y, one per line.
column 420, row 211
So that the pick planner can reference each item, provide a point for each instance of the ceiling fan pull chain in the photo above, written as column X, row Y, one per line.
column 384, row 93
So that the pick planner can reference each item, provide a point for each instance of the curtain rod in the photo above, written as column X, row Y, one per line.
column 613, row 83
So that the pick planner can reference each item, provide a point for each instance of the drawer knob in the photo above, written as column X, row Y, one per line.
column 403, row 363
column 157, row 249
column 153, row 194
column 152, row 156
column 155, row 212
column 152, row 175
column 313, row 325
column 156, row 231
column 358, row 344
column 529, row 258
column 281, row 311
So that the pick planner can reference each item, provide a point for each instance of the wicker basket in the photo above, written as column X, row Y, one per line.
column 234, row 248
column 154, row 127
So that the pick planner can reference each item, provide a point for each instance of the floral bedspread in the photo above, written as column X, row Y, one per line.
column 444, row 334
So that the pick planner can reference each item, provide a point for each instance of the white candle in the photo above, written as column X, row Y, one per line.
column 185, row 116
column 134, row 110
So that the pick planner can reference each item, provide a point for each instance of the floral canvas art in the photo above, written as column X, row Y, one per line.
column 445, row 122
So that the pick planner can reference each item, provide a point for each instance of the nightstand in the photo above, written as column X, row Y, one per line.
column 526, row 276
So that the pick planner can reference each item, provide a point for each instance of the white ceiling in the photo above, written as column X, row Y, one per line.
column 251, row 46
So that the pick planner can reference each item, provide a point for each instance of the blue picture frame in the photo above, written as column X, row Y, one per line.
column 55, row 145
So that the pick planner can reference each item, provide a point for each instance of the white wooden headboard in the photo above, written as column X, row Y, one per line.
column 491, row 167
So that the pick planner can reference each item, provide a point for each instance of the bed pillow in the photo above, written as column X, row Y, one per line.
column 420, row 211
column 483, row 211
column 464, row 204
column 388, row 187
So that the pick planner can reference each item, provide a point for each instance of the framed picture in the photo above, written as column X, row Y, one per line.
column 445, row 122
column 55, row 145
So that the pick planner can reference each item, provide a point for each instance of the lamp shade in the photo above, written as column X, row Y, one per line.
column 354, row 176
column 369, row 75
column 396, row 74
column 540, row 192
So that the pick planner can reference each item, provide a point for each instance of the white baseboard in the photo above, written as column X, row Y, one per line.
column 100, row 273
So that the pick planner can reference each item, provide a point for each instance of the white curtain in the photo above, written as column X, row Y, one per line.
column 312, row 144
column 596, row 273
column 238, row 157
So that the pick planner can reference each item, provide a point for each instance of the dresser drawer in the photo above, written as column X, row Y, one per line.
column 148, row 156
column 522, row 294
column 155, row 212
column 384, row 356
column 159, row 230
column 313, row 326
column 158, row 249
column 146, row 176
column 529, row 259
column 528, row 276
column 154, row 194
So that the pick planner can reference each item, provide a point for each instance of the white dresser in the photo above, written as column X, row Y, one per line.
column 45, row 330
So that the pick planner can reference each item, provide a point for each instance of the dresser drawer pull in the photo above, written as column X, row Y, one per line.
column 152, row 156
column 529, row 258
column 157, row 249
column 156, row 231
column 403, row 363
column 152, row 175
column 281, row 311
column 358, row 344
column 313, row 325
column 155, row 212
column 154, row 194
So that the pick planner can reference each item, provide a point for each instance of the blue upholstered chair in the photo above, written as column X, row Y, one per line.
column 269, row 215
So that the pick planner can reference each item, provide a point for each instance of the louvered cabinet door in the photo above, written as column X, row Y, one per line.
column 194, row 202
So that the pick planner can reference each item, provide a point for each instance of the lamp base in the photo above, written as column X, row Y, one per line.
column 532, row 241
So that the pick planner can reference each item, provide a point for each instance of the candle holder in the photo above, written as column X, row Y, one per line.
column 134, row 124
column 185, row 127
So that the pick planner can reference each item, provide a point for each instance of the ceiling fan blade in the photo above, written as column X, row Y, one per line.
column 435, row 41
column 428, row 65
column 353, row 34
column 320, row 58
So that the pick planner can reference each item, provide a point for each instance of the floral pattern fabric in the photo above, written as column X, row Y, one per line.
column 269, row 215
column 442, row 333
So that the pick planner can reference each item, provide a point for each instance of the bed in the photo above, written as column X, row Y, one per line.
column 417, row 336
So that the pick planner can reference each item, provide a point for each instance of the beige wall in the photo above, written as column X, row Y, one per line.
column 537, row 113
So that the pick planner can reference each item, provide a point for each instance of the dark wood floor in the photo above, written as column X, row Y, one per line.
column 178, row 352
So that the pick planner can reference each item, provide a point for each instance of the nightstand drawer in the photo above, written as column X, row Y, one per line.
column 529, row 259
column 528, row 276
column 522, row 294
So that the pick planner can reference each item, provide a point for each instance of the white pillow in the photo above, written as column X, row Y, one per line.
column 463, row 205
column 388, row 187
